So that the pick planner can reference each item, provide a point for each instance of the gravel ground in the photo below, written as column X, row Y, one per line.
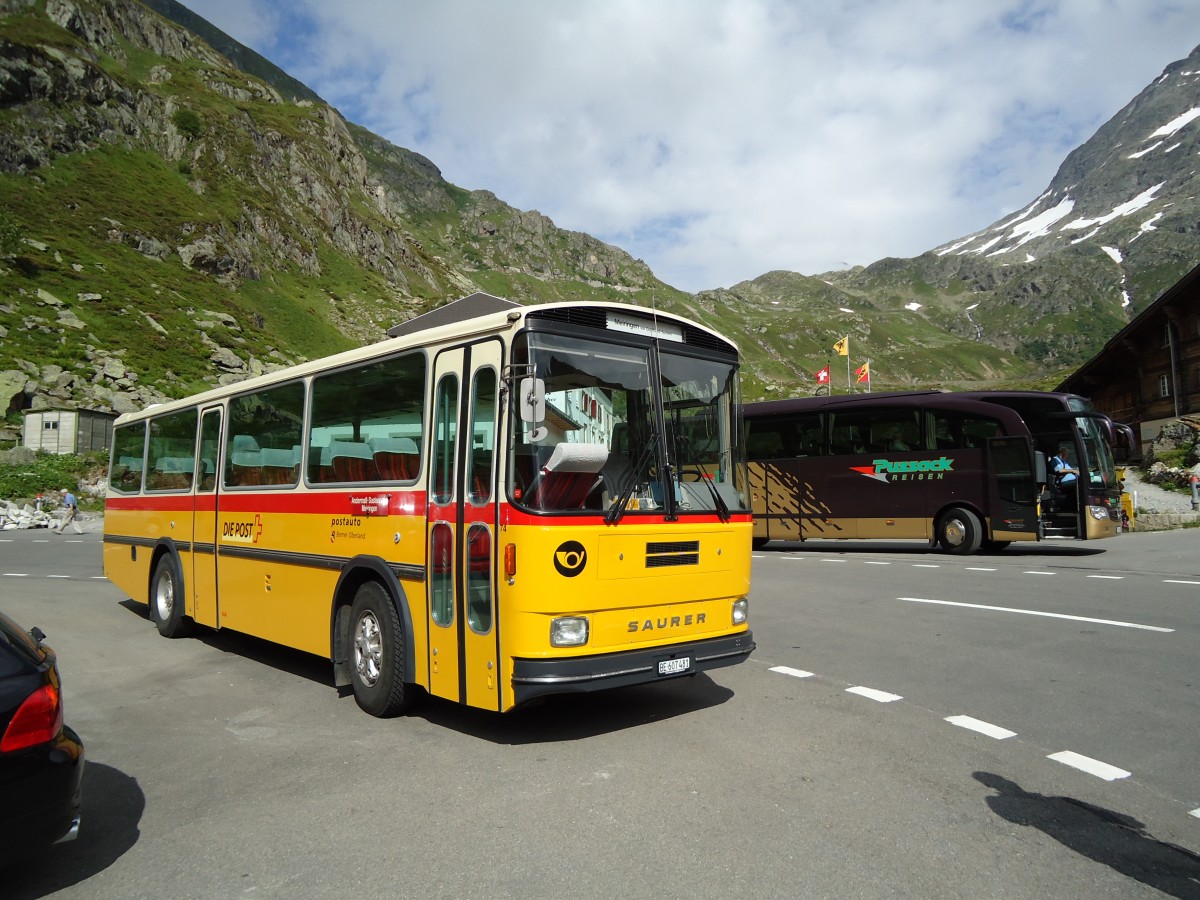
column 1153, row 499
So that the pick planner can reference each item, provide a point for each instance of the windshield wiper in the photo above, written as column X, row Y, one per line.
column 614, row 513
column 722, row 507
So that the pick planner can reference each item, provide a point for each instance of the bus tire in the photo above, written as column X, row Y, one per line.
column 960, row 531
column 376, row 653
column 166, row 599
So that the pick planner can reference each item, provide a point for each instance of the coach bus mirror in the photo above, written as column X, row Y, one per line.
column 533, row 406
column 1039, row 466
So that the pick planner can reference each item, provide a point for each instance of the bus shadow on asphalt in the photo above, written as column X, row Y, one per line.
column 557, row 717
column 294, row 662
column 111, row 813
column 917, row 548
column 1118, row 841
column 572, row 717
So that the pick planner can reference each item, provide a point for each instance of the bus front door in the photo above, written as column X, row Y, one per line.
column 1012, row 490
column 463, row 655
column 204, row 533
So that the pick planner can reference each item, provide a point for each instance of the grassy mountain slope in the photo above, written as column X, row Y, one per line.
column 184, row 221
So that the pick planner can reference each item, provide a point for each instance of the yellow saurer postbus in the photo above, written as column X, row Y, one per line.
column 497, row 503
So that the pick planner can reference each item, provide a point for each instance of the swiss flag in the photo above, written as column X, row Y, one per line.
column 822, row 376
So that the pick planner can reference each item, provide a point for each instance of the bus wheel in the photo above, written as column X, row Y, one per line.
column 960, row 531
column 166, row 599
column 377, row 653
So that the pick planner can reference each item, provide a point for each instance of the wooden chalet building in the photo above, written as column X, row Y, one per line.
column 1149, row 372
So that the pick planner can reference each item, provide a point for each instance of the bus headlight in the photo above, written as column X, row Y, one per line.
column 568, row 631
column 1098, row 512
column 741, row 611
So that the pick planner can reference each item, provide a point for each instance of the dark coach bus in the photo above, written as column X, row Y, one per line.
column 963, row 470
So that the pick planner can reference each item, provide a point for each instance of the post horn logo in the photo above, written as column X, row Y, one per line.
column 570, row 558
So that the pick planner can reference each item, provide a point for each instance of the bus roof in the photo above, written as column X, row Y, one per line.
column 471, row 316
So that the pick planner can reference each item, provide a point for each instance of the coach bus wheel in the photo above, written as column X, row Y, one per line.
column 377, row 653
column 959, row 531
column 166, row 599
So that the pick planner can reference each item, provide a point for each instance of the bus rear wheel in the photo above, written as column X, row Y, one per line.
column 377, row 653
column 960, row 531
column 166, row 599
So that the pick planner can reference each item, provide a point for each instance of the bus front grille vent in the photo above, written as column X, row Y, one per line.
column 660, row 554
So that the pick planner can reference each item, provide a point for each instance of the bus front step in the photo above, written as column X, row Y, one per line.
column 1059, row 532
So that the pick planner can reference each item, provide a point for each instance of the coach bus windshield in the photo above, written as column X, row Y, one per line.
column 626, row 430
column 1097, row 447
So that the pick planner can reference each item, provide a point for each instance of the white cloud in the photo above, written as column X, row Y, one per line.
column 721, row 139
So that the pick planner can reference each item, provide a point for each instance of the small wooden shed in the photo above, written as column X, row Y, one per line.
column 64, row 431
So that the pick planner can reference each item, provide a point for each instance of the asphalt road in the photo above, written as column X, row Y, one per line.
column 899, row 732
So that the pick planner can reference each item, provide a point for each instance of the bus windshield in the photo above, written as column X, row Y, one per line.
column 1097, row 451
column 626, row 427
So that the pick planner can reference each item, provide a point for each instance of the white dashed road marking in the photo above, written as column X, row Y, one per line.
column 1035, row 612
column 1089, row 765
column 992, row 731
column 872, row 694
column 1173, row 581
column 1108, row 577
column 788, row 670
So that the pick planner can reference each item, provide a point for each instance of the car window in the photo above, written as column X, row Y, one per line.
column 18, row 653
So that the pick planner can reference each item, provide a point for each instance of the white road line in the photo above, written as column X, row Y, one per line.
column 1109, row 577
column 925, row 566
column 992, row 731
column 16, row 574
column 1039, row 573
column 788, row 670
column 979, row 569
column 875, row 562
column 1173, row 581
column 98, row 577
column 1034, row 612
column 1195, row 812
column 58, row 576
column 1089, row 765
column 872, row 694
column 833, row 560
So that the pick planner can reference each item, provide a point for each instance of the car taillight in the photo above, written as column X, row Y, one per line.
column 37, row 721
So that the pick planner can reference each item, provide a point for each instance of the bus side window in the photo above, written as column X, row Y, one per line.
column 264, row 429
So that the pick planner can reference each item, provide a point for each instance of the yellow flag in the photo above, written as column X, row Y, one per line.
column 842, row 347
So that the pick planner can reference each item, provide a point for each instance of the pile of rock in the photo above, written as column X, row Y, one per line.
column 24, row 515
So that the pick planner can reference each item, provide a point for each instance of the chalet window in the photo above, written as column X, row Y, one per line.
column 50, row 426
column 1164, row 386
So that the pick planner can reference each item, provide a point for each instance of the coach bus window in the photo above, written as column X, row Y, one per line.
column 264, row 437
column 129, row 445
column 171, row 452
column 961, row 431
column 367, row 422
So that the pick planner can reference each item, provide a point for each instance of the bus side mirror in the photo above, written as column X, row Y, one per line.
column 1039, row 466
column 533, row 406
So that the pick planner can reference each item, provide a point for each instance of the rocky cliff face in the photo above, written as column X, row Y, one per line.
column 278, row 213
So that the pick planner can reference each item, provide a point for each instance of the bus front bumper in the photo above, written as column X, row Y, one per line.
column 538, row 677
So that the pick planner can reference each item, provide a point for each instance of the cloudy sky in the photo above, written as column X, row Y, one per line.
column 721, row 139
